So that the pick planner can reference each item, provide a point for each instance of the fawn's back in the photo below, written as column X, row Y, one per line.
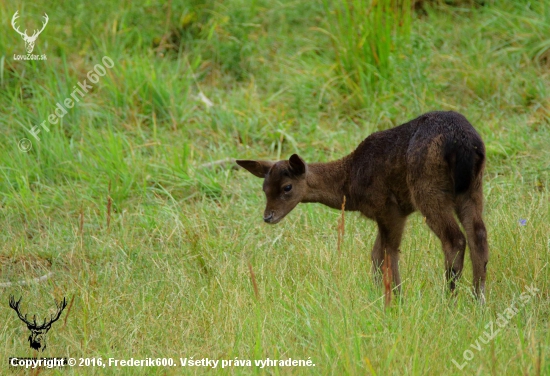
column 438, row 153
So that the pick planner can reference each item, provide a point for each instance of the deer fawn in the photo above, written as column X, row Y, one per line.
column 433, row 164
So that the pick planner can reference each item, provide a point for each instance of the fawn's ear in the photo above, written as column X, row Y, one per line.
column 256, row 168
column 297, row 164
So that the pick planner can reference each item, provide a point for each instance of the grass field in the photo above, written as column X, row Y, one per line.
column 161, row 256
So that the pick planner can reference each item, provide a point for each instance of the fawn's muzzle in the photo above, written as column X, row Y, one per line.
column 268, row 218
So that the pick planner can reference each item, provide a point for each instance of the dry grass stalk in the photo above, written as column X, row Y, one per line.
column 387, row 278
column 341, row 226
column 109, row 205
column 81, row 224
column 68, row 311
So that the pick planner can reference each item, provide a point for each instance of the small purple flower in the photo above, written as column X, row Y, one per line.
column 522, row 222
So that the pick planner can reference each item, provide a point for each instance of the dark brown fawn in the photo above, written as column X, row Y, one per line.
column 433, row 164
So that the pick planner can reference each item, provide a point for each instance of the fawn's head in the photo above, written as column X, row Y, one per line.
column 284, row 184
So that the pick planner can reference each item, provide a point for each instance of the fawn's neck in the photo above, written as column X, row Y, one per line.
column 328, row 183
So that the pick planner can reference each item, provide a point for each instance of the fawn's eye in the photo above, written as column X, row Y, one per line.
column 287, row 188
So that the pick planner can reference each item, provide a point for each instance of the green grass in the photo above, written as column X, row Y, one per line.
column 365, row 37
column 170, row 276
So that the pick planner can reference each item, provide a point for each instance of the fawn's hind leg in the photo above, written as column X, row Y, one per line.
column 469, row 210
column 440, row 218
column 388, row 239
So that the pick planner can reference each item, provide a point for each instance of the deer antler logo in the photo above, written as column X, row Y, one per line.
column 29, row 40
column 37, row 338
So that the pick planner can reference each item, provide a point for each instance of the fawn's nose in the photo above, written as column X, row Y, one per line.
column 268, row 218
